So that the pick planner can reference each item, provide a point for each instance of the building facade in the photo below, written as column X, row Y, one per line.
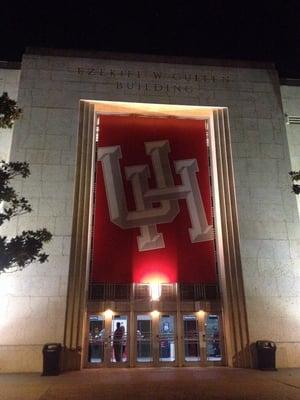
column 165, row 183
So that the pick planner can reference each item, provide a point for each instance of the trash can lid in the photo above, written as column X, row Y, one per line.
column 265, row 344
column 51, row 346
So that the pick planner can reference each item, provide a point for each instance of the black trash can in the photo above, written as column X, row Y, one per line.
column 52, row 359
column 266, row 352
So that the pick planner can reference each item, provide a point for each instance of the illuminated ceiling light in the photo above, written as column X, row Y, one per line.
column 108, row 313
column 155, row 313
column 155, row 291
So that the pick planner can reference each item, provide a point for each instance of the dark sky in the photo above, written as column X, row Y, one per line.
column 265, row 30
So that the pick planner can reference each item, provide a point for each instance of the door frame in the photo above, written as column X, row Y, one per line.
column 107, row 363
column 155, row 324
column 174, row 363
column 136, row 363
column 221, row 340
column 181, row 341
column 201, row 318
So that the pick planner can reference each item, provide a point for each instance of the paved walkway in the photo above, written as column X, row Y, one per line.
column 155, row 384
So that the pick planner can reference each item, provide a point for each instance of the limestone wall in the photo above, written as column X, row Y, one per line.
column 33, row 301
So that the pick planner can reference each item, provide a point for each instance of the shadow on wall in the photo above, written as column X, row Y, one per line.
column 253, row 355
column 242, row 359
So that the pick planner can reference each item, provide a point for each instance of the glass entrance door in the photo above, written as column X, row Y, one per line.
column 191, row 342
column 118, row 340
column 212, row 338
column 201, row 339
column 144, row 338
column 167, row 338
column 153, row 341
column 96, row 340
column 108, row 343
column 156, row 340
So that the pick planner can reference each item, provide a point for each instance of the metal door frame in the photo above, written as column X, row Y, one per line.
column 201, row 318
column 155, row 318
column 107, row 363
column 221, row 341
column 174, row 363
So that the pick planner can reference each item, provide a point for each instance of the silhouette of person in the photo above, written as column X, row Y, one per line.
column 118, row 342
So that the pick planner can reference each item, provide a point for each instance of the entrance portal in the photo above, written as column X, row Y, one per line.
column 226, row 247
column 155, row 339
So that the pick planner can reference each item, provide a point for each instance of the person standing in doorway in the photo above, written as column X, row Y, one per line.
column 118, row 342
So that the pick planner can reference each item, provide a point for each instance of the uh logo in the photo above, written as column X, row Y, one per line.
column 146, row 217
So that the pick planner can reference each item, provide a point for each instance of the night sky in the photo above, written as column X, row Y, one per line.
column 263, row 31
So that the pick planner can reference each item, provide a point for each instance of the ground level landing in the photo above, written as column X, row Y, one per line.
column 159, row 383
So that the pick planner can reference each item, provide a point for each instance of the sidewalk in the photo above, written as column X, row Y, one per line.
column 155, row 384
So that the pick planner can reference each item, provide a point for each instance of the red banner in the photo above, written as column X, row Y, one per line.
column 153, row 213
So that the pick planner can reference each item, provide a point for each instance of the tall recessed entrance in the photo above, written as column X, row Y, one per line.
column 177, row 334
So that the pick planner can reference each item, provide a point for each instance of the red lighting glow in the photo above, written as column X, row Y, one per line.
column 156, row 267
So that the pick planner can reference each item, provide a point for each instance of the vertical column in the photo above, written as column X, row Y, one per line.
column 108, row 338
column 80, row 243
column 179, row 333
column 132, row 337
column 201, row 336
column 230, row 269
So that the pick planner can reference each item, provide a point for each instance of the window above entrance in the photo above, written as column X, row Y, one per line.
column 124, row 292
